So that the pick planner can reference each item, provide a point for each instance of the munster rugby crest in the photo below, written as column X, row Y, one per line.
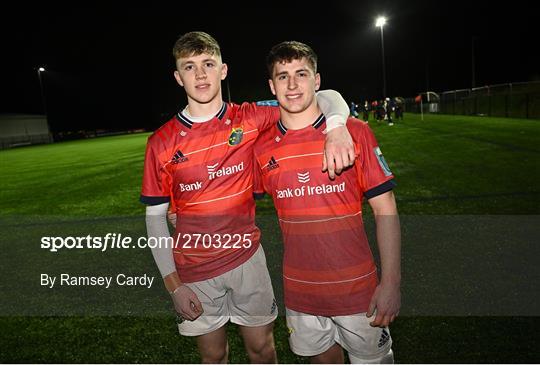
column 236, row 136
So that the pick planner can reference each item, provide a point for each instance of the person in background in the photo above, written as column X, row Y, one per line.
column 388, row 109
column 365, row 111
column 398, row 108
column 354, row 109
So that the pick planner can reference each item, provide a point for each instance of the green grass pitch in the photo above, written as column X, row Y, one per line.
column 469, row 202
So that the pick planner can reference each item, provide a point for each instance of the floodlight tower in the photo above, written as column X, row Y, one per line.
column 380, row 22
column 39, row 71
column 43, row 100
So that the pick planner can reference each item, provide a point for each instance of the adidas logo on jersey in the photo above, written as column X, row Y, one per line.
column 385, row 336
column 272, row 164
column 224, row 171
column 178, row 157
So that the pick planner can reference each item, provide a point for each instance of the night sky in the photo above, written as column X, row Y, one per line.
column 112, row 67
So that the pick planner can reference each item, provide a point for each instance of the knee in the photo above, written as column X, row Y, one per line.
column 215, row 355
column 262, row 351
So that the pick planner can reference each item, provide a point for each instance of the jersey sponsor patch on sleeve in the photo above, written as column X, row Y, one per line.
column 267, row 103
column 382, row 161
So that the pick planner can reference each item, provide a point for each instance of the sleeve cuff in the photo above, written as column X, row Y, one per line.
column 154, row 200
column 334, row 121
column 380, row 189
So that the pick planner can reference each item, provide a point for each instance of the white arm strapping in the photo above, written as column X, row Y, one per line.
column 156, row 226
column 334, row 108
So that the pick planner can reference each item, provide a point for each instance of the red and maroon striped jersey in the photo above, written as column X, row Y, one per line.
column 328, row 267
column 205, row 171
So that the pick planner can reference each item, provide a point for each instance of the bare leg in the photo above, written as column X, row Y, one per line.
column 334, row 355
column 259, row 343
column 213, row 347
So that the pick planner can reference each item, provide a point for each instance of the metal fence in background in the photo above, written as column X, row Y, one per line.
column 512, row 100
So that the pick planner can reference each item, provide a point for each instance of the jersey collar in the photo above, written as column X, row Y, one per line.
column 316, row 124
column 188, row 123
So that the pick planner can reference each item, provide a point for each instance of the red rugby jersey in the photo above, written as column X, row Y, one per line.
column 328, row 267
column 207, row 169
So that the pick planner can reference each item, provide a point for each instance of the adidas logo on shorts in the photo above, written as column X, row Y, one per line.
column 385, row 336
column 274, row 306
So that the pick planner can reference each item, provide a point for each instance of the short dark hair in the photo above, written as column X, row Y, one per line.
column 288, row 51
column 195, row 43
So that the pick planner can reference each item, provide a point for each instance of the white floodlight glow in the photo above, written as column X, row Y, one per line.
column 380, row 22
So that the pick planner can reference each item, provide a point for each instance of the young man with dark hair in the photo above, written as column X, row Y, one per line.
column 330, row 278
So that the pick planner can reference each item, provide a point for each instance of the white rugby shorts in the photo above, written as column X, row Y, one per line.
column 243, row 295
column 312, row 335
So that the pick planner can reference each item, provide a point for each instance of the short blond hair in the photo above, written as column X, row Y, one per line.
column 195, row 43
